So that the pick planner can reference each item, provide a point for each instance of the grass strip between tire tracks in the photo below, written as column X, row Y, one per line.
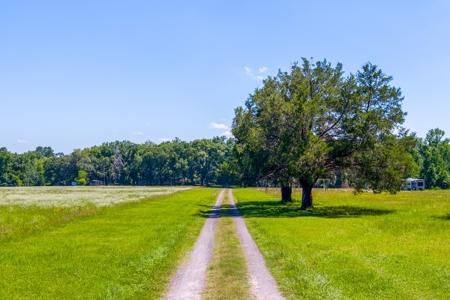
column 227, row 276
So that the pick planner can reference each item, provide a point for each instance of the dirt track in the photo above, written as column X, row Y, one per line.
column 189, row 281
column 262, row 284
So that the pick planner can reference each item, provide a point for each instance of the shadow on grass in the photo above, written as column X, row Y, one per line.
column 445, row 218
column 272, row 209
column 210, row 211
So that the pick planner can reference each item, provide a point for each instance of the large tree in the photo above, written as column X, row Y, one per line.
column 312, row 122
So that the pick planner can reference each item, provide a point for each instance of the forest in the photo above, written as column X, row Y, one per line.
column 200, row 162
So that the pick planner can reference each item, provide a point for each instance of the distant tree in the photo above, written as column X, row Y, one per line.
column 312, row 122
column 119, row 163
column 416, row 154
column 81, row 179
column 44, row 152
column 6, row 164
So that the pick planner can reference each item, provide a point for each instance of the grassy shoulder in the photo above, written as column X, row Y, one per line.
column 25, row 210
column 17, row 221
column 126, row 252
column 227, row 274
column 354, row 247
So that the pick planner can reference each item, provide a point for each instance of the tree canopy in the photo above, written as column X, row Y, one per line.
column 311, row 122
column 203, row 162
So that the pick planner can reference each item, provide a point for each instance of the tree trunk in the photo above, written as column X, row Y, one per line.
column 286, row 193
column 307, row 200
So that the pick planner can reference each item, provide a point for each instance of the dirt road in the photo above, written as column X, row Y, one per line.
column 189, row 281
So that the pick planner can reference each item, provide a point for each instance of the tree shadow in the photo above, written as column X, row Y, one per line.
column 271, row 209
column 210, row 212
column 445, row 218
column 206, row 206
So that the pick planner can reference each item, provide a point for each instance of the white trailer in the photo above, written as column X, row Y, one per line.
column 413, row 184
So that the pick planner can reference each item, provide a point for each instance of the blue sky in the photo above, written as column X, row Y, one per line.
column 74, row 74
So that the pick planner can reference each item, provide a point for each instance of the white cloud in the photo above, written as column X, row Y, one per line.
column 137, row 133
column 164, row 140
column 227, row 134
column 21, row 141
column 218, row 126
column 250, row 73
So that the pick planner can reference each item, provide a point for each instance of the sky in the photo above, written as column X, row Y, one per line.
column 75, row 74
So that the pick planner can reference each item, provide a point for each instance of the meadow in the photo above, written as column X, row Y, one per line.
column 28, row 209
column 353, row 247
column 93, row 250
column 81, row 195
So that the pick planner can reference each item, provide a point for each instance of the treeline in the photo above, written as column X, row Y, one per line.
column 432, row 159
column 202, row 162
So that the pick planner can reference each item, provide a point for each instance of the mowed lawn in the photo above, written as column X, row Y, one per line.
column 354, row 247
column 127, row 251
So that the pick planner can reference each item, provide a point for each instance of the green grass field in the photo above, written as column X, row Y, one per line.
column 124, row 251
column 354, row 247
column 28, row 209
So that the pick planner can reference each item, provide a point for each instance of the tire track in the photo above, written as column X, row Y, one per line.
column 189, row 281
column 262, row 284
